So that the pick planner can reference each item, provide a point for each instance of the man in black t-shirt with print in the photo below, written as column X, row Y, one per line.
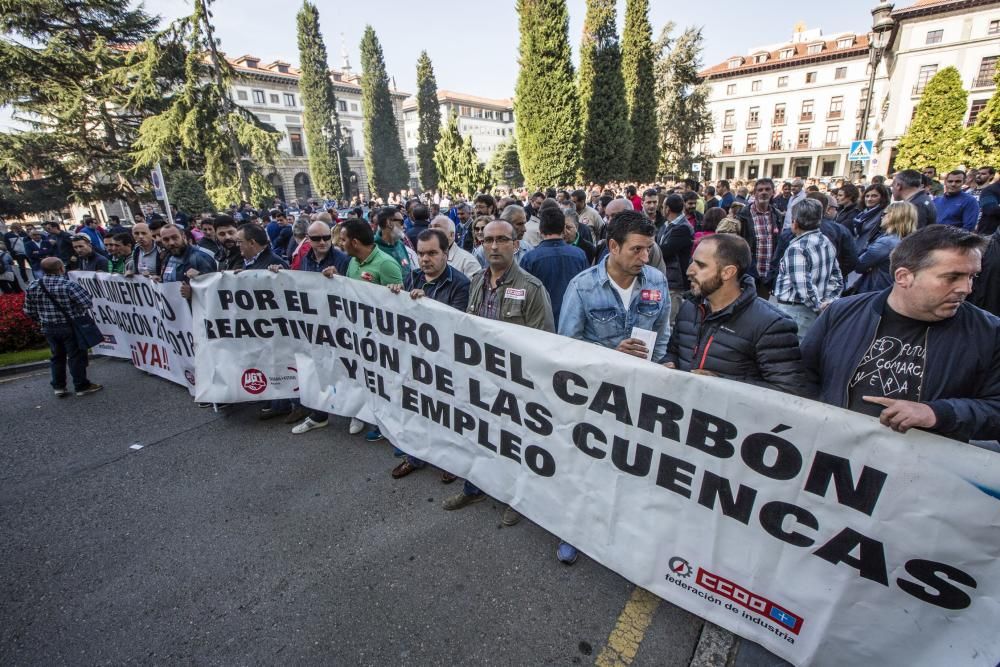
column 915, row 355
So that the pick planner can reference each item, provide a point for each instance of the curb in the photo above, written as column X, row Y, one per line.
column 716, row 647
column 17, row 369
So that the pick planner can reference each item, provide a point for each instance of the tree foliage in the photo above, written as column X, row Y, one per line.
column 545, row 102
column 384, row 160
column 934, row 138
column 201, row 128
column 322, row 124
column 683, row 117
column 640, row 91
column 505, row 166
column 606, row 139
column 55, row 58
column 982, row 140
column 187, row 193
column 459, row 169
column 429, row 130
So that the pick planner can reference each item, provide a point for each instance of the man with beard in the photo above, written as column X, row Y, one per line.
column 228, row 257
column 725, row 330
column 184, row 261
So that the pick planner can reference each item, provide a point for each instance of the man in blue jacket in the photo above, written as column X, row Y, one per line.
column 915, row 355
column 553, row 261
column 954, row 207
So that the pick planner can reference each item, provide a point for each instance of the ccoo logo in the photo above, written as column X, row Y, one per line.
column 254, row 381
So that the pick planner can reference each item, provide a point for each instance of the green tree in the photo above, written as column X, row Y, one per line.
column 55, row 57
column 640, row 91
column 429, row 130
column 683, row 117
column 935, row 135
column 187, row 193
column 982, row 140
column 327, row 163
column 459, row 169
column 201, row 128
column 606, row 139
column 384, row 160
column 545, row 102
column 505, row 166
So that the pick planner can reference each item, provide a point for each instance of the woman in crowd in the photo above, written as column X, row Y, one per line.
column 898, row 222
column 866, row 225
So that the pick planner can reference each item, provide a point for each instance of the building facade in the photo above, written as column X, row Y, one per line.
column 272, row 93
column 490, row 122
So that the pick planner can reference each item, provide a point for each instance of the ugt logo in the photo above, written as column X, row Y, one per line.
column 254, row 381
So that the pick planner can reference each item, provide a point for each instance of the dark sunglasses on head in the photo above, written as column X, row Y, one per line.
column 317, row 239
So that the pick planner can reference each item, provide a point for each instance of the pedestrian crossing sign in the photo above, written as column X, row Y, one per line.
column 861, row 151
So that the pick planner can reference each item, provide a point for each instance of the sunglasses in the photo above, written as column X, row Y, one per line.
column 318, row 239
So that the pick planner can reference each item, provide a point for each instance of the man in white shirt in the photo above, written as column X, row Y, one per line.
column 458, row 258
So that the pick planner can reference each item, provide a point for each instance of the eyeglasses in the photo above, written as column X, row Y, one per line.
column 480, row 229
column 318, row 239
column 497, row 240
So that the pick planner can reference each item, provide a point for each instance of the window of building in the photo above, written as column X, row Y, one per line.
column 803, row 138
column 241, row 95
column 755, row 85
column 813, row 49
column 779, row 114
column 258, row 97
column 289, row 100
column 349, row 144
column 341, row 105
column 489, row 115
column 777, row 171
column 845, row 43
column 729, row 119
column 977, row 106
column 760, row 58
column 782, row 82
column 836, row 107
column 734, row 63
column 987, row 69
column 810, row 77
column 828, row 167
column 785, row 54
column 753, row 119
column 806, row 114
column 776, row 139
column 731, row 89
column 295, row 139
column 832, row 136
column 479, row 113
column 354, row 107
column 926, row 73
column 727, row 144
column 934, row 36
column 274, row 98
column 840, row 73
column 994, row 28
column 752, row 142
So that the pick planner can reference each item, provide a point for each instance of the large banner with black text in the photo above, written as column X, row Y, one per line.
column 814, row 531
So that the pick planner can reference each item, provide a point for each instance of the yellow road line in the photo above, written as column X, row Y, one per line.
column 623, row 643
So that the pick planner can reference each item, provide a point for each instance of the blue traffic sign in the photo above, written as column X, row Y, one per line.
column 861, row 151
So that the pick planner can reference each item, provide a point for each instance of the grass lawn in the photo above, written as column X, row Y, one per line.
column 23, row 356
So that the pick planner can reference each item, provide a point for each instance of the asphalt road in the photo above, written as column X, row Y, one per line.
column 226, row 540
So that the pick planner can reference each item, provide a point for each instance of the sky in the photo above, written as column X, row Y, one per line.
column 473, row 44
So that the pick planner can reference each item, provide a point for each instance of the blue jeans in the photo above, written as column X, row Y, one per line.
column 802, row 315
column 471, row 489
column 62, row 343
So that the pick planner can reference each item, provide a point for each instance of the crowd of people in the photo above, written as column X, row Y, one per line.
column 881, row 298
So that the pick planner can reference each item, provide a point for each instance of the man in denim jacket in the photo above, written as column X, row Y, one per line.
column 593, row 308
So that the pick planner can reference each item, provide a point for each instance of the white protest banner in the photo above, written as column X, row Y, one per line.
column 145, row 321
column 817, row 532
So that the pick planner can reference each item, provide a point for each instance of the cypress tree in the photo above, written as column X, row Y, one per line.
column 55, row 57
column 934, row 138
column 982, row 140
column 322, row 123
column 384, row 160
column 545, row 103
column 683, row 118
column 429, row 131
column 458, row 166
column 505, row 167
column 637, row 70
column 606, row 145
column 187, row 193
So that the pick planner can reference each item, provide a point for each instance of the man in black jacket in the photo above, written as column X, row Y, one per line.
column 915, row 355
column 725, row 330
column 256, row 249
column 675, row 239
column 227, row 237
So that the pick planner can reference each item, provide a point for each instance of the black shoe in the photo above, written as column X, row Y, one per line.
column 89, row 389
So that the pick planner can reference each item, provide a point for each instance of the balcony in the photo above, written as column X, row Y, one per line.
column 753, row 124
column 751, row 148
column 983, row 82
column 727, row 150
column 806, row 117
column 802, row 145
column 831, row 144
column 729, row 126
column 834, row 115
column 778, row 120
column 776, row 146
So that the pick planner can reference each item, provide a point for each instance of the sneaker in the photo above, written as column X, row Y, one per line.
column 374, row 435
column 357, row 426
column 61, row 393
column 460, row 500
column 309, row 425
column 297, row 415
column 403, row 469
column 567, row 553
column 447, row 477
column 510, row 516
column 269, row 413
column 90, row 389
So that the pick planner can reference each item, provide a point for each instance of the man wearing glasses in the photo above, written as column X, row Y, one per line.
column 505, row 292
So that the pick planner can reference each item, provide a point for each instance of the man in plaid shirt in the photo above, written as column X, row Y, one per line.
column 809, row 277
column 46, row 307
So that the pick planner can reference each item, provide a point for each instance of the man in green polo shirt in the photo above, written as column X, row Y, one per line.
column 368, row 262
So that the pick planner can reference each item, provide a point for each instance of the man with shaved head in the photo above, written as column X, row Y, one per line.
column 146, row 255
column 457, row 257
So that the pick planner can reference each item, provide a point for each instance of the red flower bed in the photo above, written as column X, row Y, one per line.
column 17, row 331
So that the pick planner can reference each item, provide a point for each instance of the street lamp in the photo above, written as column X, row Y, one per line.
column 878, row 41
